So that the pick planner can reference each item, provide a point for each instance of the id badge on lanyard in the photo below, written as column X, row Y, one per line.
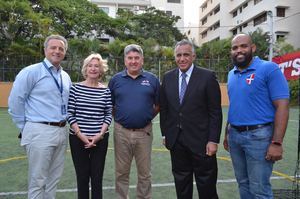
column 63, row 109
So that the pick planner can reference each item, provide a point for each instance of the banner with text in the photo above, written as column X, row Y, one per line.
column 289, row 65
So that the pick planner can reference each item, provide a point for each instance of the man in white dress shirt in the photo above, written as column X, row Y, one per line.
column 37, row 104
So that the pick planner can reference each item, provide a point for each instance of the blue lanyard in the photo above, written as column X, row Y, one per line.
column 60, row 88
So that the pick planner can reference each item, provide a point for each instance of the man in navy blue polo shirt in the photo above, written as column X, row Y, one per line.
column 257, row 118
column 135, row 96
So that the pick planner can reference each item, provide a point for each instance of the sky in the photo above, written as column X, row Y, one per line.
column 191, row 12
column 191, row 17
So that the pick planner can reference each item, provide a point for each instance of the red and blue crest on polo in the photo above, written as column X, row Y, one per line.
column 250, row 78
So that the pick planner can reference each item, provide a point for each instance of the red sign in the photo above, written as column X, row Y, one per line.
column 289, row 65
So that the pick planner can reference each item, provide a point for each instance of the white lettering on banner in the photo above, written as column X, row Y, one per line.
column 282, row 66
column 289, row 65
column 296, row 66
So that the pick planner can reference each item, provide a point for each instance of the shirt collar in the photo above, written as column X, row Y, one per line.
column 252, row 66
column 50, row 65
column 188, row 72
column 124, row 73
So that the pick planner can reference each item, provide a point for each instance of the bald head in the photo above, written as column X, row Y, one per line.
column 242, row 36
column 242, row 50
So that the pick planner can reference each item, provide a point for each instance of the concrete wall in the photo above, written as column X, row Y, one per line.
column 5, row 88
column 225, row 100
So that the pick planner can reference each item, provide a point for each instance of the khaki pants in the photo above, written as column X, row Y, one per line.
column 46, row 147
column 131, row 143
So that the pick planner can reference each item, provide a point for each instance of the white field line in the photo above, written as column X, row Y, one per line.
column 131, row 187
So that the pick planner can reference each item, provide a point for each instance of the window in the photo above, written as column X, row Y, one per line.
column 234, row 13
column 257, row 1
column 280, row 37
column 241, row 9
column 245, row 5
column 204, row 21
column 174, row 1
column 234, row 32
column 217, row 10
column 245, row 25
column 216, row 25
column 204, row 34
column 241, row 28
column 204, row 7
column 280, row 12
column 260, row 19
column 217, row 39
column 105, row 9
column 169, row 13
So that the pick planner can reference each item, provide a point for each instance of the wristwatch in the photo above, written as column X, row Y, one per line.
column 276, row 143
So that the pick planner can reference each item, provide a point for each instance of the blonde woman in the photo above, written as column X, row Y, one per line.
column 89, row 115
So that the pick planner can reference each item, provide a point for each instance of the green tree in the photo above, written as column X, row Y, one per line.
column 152, row 23
column 158, row 25
column 261, row 40
column 73, row 18
column 115, row 49
column 282, row 47
column 167, row 61
column 18, row 25
column 26, row 23
column 215, row 55
column 121, row 27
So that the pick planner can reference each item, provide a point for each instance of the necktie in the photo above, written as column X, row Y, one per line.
column 183, row 87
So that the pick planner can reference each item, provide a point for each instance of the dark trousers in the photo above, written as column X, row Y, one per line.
column 89, row 165
column 185, row 164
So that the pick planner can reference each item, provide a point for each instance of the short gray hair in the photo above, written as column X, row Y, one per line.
column 58, row 37
column 97, row 56
column 133, row 48
column 185, row 42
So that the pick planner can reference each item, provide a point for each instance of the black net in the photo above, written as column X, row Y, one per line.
column 286, row 194
column 294, row 192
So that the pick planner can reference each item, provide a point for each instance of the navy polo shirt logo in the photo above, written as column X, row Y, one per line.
column 250, row 78
column 145, row 83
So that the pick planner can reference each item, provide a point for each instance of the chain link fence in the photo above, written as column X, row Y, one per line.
column 11, row 66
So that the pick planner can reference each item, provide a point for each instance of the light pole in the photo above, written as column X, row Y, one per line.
column 270, row 14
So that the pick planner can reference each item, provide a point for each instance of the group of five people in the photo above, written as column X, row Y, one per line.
column 189, row 101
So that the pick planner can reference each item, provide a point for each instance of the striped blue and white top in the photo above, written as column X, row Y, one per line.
column 90, row 107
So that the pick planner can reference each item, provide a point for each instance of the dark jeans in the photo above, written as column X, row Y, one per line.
column 89, row 164
column 185, row 164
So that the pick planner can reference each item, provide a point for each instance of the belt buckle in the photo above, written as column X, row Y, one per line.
column 61, row 123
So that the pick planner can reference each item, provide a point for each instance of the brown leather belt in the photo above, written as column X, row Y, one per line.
column 250, row 127
column 134, row 129
column 59, row 124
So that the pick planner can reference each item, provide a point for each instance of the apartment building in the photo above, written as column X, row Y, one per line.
column 221, row 19
column 191, row 19
column 111, row 7
column 171, row 7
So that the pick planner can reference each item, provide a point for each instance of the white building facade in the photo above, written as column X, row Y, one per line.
column 220, row 19
column 111, row 7
column 171, row 7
